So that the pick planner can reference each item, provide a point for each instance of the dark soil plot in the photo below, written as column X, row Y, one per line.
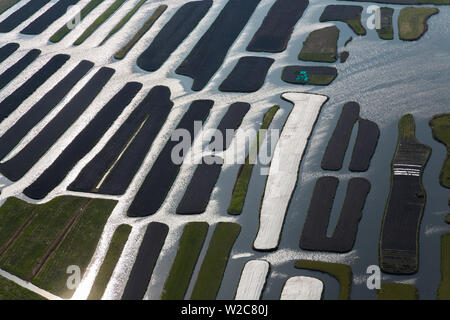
column 6, row 4
column 164, row 171
column 51, row 15
column 321, row 45
column 231, row 121
column 7, row 50
column 83, row 143
column 351, row 15
column 314, row 236
column 248, row 75
column 22, row 14
column 22, row 126
column 131, row 142
column 172, row 34
column 13, row 71
column 14, row 100
column 198, row 192
column 16, row 167
column 399, row 242
column 277, row 27
column 209, row 53
column 309, row 75
column 386, row 32
column 365, row 145
column 148, row 254
column 337, row 146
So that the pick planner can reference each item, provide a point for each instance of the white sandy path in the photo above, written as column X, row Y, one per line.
column 286, row 161
column 302, row 288
column 252, row 281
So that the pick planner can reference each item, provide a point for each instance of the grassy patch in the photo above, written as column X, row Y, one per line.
column 64, row 30
column 321, row 79
column 102, row 18
column 216, row 259
column 6, row 4
column 12, row 291
column 447, row 218
column 397, row 291
column 190, row 245
column 118, row 242
column 321, row 45
column 412, row 22
column 123, row 21
column 440, row 124
column 147, row 25
column 245, row 171
column 444, row 287
column 356, row 26
column 341, row 272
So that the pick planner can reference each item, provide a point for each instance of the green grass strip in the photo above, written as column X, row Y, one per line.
column 102, row 18
column 123, row 21
column 147, row 25
column 412, row 22
column 118, row 242
column 76, row 249
column 341, row 272
column 6, row 4
column 444, row 287
column 355, row 25
column 215, row 262
column 397, row 291
column 245, row 171
column 12, row 291
column 440, row 125
column 61, row 33
column 189, row 248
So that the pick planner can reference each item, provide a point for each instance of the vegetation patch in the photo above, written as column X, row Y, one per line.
column 215, row 262
column 189, row 248
column 64, row 30
column 397, row 291
column 274, row 33
column 365, row 145
column 146, row 259
column 17, row 68
column 143, row 30
column 182, row 23
column 444, row 286
column 440, row 124
column 113, row 168
column 6, row 4
column 116, row 246
column 412, row 22
column 20, row 15
column 309, row 75
column 210, row 51
column 248, row 75
column 16, row 167
column 386, row 32
column 164, row 171
column 321, row 45
column 447, row 218
column 351, row 15
column 341, row 272
column 9, row 290
column 245, row 171
column 399, row 241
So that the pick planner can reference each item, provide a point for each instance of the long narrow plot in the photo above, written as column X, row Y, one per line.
column 141, row 32
column 440, row 125
column 66, row 28
column 82, row 143
column 253, row 280
column 444, row 286
column 41, row 108
column 189, row 248
column 365, row 145
column 16, row 167
column 399, row 241
column 338, row 144
column 182, row 23
column 309, row 75
column 215, row 262
column 113, row 168
column 6, row 4
column 7, row 50
column 13, row 71
column 283, row 173
column 13, row 101
column 164, row 171
column 209, row 53
column 148, row 254
column 277, row 27
column 302, row 288
column 21, row 14
column 47, row 18
column 314, row 235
